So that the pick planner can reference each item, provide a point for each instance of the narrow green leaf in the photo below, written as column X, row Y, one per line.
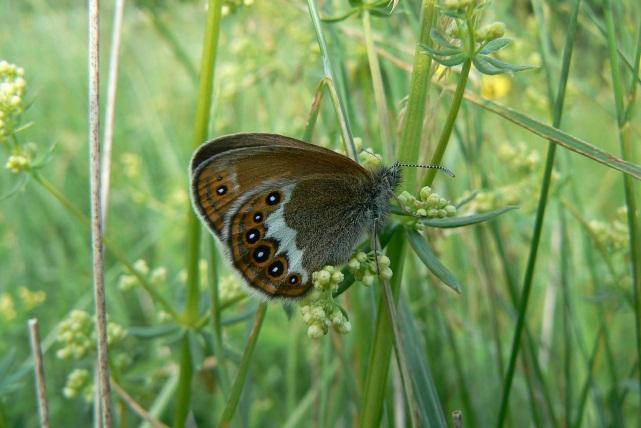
column 483, row 65
column 557, row 136
column 154, row 331
column 441, row 52
column 429, row 259
column 450, row 61
column 421, row 379
column 447, row 223
column 513, row 68
column 495, row 45
column 440, row 39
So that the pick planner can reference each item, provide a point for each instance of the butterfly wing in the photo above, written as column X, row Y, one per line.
column 278, row 205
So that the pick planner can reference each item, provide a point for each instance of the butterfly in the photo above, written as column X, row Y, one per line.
column 283, row 209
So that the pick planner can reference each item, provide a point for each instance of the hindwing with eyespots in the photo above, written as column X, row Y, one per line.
column 263, row 248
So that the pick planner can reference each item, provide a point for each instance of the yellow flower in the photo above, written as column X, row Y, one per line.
column 495, row 87
column 7, row 307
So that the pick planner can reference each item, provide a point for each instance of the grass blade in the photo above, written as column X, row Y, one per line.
column 557, row 137
column 421, row 379
column 540, row 214
column 429, row 259
column 243, row 369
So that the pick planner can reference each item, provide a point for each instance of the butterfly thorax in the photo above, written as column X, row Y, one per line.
column 385, row 180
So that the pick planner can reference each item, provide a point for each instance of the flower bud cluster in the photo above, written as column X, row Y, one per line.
column 614, row 236
column 366, row 156
column 79, row 383
column 458, row 5
column 430, row 204
column 12, row 88
column 363, row 267
column 76, row 335
column 231, row 6
column 7, row 307
column 490, row 32
column 520, row 164
column 31, row 299
column 129, row 281
column 229, row 288
column 319, row 311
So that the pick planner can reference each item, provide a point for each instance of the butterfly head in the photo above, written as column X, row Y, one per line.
column 385, row 182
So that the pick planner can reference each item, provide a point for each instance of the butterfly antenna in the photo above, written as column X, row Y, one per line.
column 439, row 167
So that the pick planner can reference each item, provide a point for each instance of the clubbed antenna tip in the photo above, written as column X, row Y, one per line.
column 439, row 167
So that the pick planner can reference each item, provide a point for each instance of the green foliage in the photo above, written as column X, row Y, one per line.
column 187, row 342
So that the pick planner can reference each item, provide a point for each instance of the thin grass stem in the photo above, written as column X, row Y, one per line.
column 110, row 106
column 136, row 407
column 377, row 374
column 216, row 318
column 39, row 371
column 444, row 138
column 96, row 215
column 313, row 112
column 243, row 368
column 379, row 89
column 625, row 143
column 339, row 105
column 409, row 148
column 540, row 214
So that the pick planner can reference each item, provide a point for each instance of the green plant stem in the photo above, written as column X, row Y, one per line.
column 216, row 319
column 379, row 89
column 449, row 122
column 203, row 107
column 625, row 144
column 184, row 381
column 109, row 245
column 243, row 369
column 346, row 131
column 410, row 145
column 540, row 214
column 379, row 361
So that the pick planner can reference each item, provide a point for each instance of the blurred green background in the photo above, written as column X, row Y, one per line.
column 268, row 68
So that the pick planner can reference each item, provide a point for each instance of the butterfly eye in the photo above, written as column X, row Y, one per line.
column 276, row 269
column 261, row 253
column 293, row 279
column 252, row 236
column 273, row 198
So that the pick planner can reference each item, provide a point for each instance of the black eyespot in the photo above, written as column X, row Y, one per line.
column 276, row 269
column 258, row 217
column 221, row 190
column 293, row 279
column 261, row 253
column 273, row 198
column 220, row 177
column 252, row 236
